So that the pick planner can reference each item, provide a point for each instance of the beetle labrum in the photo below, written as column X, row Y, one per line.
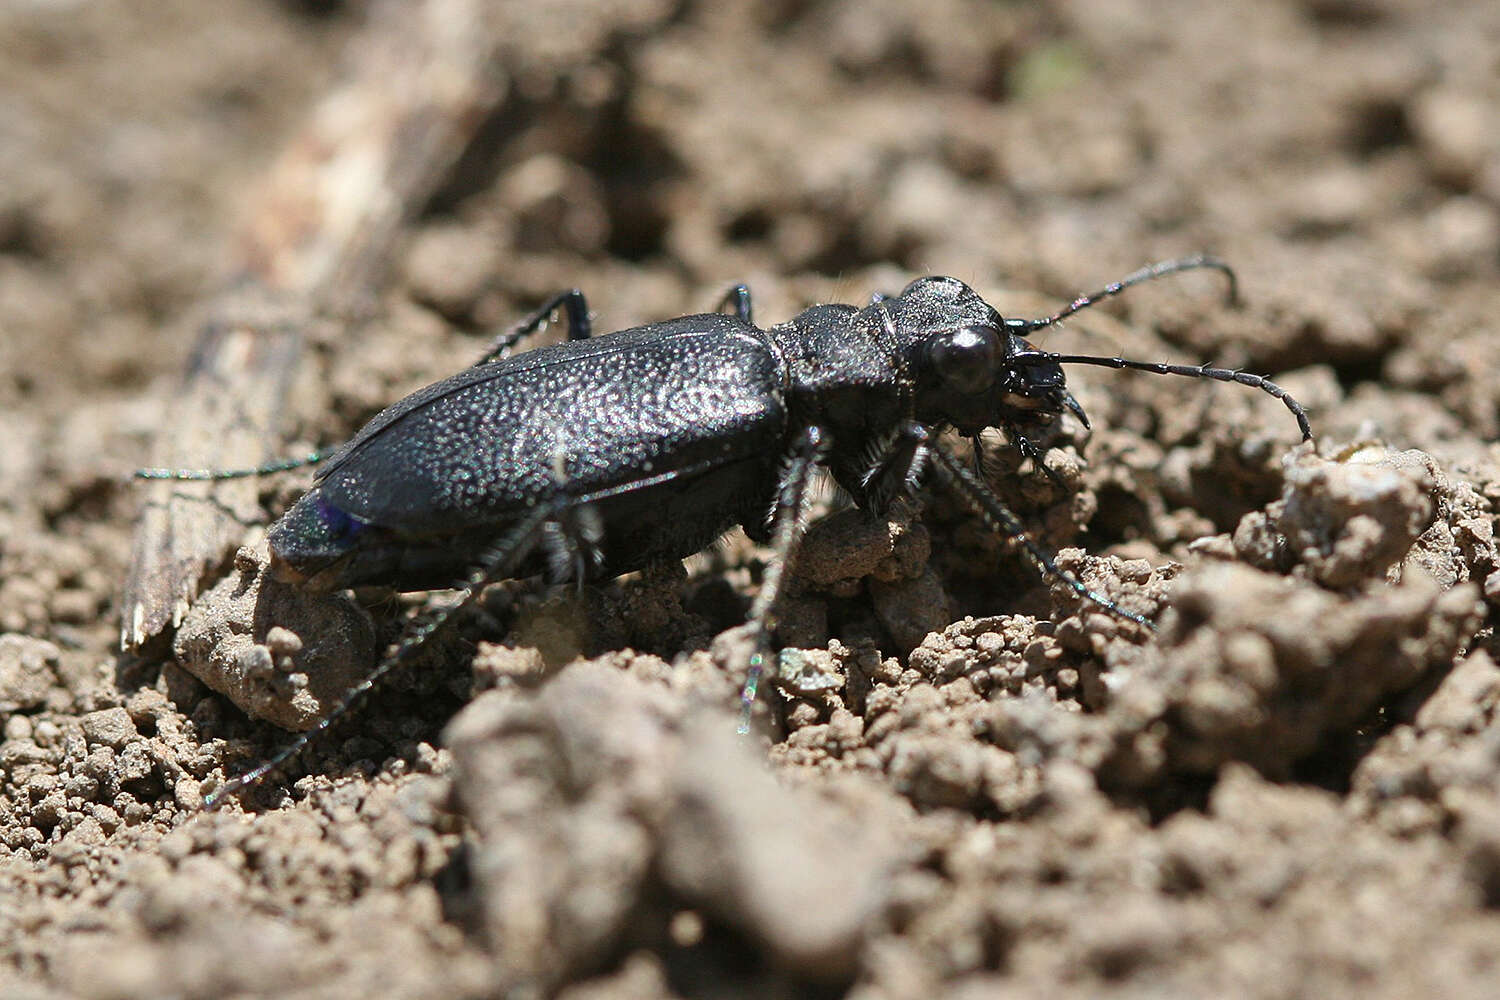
column 605, row 454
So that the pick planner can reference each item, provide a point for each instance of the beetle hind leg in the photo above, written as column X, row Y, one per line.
column 218, row 475
column 496, row 563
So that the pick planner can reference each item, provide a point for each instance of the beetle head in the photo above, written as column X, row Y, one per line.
column 960, row 351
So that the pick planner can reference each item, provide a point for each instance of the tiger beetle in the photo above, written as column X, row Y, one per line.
column 606, row 454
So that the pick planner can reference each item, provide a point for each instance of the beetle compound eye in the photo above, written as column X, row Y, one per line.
column 966, row 358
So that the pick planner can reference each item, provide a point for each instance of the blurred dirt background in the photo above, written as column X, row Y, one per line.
column 1292, row 789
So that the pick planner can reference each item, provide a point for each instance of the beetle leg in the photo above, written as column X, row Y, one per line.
column 790, row 521
column 738, row 298
column 1028, row 449
column 496, row 563
column 1002, row 521
column 893, row 473
column 214, row 475
column 572, row 303
column 572, row 545
column 574, row 306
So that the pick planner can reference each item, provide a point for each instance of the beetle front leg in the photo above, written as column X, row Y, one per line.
column 1028, row 449
column 894, row 475
column 1001, row 520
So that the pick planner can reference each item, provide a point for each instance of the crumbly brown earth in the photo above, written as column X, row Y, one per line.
column 973, row 785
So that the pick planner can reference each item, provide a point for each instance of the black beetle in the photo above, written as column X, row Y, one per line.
column 601, row 455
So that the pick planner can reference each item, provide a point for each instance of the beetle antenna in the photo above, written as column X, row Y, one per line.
column 1030, row 358
column 1148, row 273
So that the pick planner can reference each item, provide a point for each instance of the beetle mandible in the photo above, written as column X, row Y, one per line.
column 605, row 454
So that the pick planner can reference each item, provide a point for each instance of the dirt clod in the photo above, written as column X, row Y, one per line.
column 244, row 639
column 28, row 669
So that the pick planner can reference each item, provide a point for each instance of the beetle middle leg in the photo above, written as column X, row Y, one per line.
column 737, row 300
column 789, row 521
column 575, row 308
